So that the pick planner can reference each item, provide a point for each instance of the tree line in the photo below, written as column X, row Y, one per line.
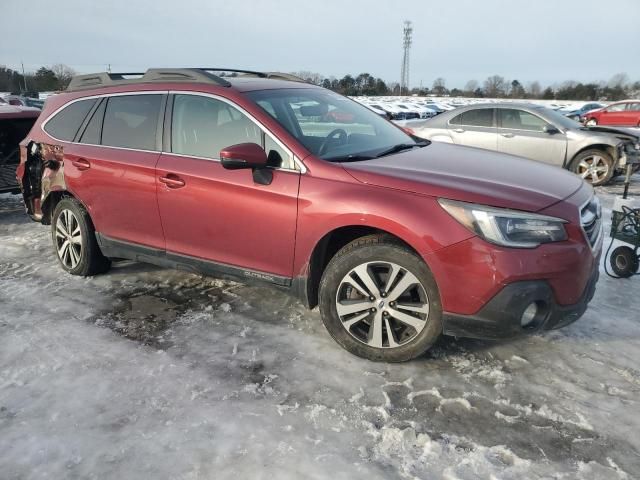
column 496, row 86
column 45, row 79
column 57, row 77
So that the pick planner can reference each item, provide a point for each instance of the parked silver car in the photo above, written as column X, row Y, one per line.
column 535, row 132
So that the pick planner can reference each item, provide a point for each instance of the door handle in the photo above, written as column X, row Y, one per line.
column 458, row 130
column 172, row 181
column 81, row 164
column 507, row 135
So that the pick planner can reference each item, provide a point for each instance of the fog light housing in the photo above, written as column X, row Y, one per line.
column 530, row 315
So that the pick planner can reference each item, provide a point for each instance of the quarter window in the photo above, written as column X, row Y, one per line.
column 520, row 120
column 131, row 121
column 481, row 117
column 65, row 124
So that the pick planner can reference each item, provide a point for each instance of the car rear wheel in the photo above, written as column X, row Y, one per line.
column 594, row 166
column 74, row 240
column 379, row 300
column 592, row 122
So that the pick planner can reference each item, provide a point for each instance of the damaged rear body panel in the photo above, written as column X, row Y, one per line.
column 42, row 173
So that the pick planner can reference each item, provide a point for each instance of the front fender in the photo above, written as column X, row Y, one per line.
column 325, row 206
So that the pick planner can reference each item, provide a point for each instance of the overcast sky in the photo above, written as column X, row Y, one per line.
column 545, row 40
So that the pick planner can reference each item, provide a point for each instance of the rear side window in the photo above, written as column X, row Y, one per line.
column 482, row 117
column 65, row 124
column 131, row 121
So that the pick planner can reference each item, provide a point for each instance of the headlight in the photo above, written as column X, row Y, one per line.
column 510, row 228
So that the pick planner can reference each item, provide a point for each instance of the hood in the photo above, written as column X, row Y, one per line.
column 620, row 132
column 470, row 175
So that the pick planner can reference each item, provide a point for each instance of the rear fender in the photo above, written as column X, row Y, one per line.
column 43, row 175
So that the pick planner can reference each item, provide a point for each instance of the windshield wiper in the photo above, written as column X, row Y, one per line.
column 350, row 158
column 400, row 147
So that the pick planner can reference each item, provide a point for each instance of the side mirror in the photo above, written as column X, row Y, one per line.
column 550, row 129
column 243, row 155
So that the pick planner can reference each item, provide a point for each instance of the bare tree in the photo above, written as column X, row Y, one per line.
column 495, row 86
column 439, row 87
column 63, row 74
column 619, row 80
column 471, row 86
column 535, row 90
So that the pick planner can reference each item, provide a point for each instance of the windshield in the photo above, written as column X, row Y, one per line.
column 331, row 126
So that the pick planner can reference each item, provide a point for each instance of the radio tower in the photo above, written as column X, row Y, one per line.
column 407, row 31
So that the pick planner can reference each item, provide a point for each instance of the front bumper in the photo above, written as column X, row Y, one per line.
column 500, row 317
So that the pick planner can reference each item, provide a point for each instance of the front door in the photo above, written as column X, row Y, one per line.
column 522, row 133
column 218, row 215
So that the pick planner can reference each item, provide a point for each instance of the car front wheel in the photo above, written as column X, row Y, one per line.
column 74, row 240
column 592, row 122
column 595, row 166
column 379, row 300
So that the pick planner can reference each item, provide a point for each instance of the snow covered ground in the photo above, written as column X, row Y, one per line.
column 149, row 373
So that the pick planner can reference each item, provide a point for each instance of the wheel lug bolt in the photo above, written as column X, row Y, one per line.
column 372, row 298
column 373, row 310
column 392, row 304
column 383, row 294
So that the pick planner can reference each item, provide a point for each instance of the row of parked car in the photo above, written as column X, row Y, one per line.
column 547, row 132
column 624, row 113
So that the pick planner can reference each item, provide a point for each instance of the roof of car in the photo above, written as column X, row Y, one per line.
column 241, row 80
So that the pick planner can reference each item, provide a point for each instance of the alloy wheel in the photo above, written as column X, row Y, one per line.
column 593, row 168
column 68, row 239
column 382, row 304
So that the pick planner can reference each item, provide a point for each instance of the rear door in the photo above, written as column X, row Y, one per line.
column 111, row 167
column 631, row 116
column 522, row 133
column 219, row 215
column 475, row 128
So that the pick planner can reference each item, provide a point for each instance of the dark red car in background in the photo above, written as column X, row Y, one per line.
column 15, row 123
column 625, row 114
column 397, row 240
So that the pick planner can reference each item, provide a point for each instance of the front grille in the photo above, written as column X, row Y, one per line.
column 591, row 220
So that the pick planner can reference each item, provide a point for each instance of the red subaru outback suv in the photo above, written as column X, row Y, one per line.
column 396, row 239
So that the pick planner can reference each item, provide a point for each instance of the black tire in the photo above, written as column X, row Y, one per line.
column 624, row 262
column 588, row 157
column 88, row 258
column 380, row 248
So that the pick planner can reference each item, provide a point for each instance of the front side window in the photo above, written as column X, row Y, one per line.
column 481, row 117
column 520, row 120
column 634, row 106
column 331, row 126
column 131, row 121
column 620, row 107
column 202, row 126
column 65, row 124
